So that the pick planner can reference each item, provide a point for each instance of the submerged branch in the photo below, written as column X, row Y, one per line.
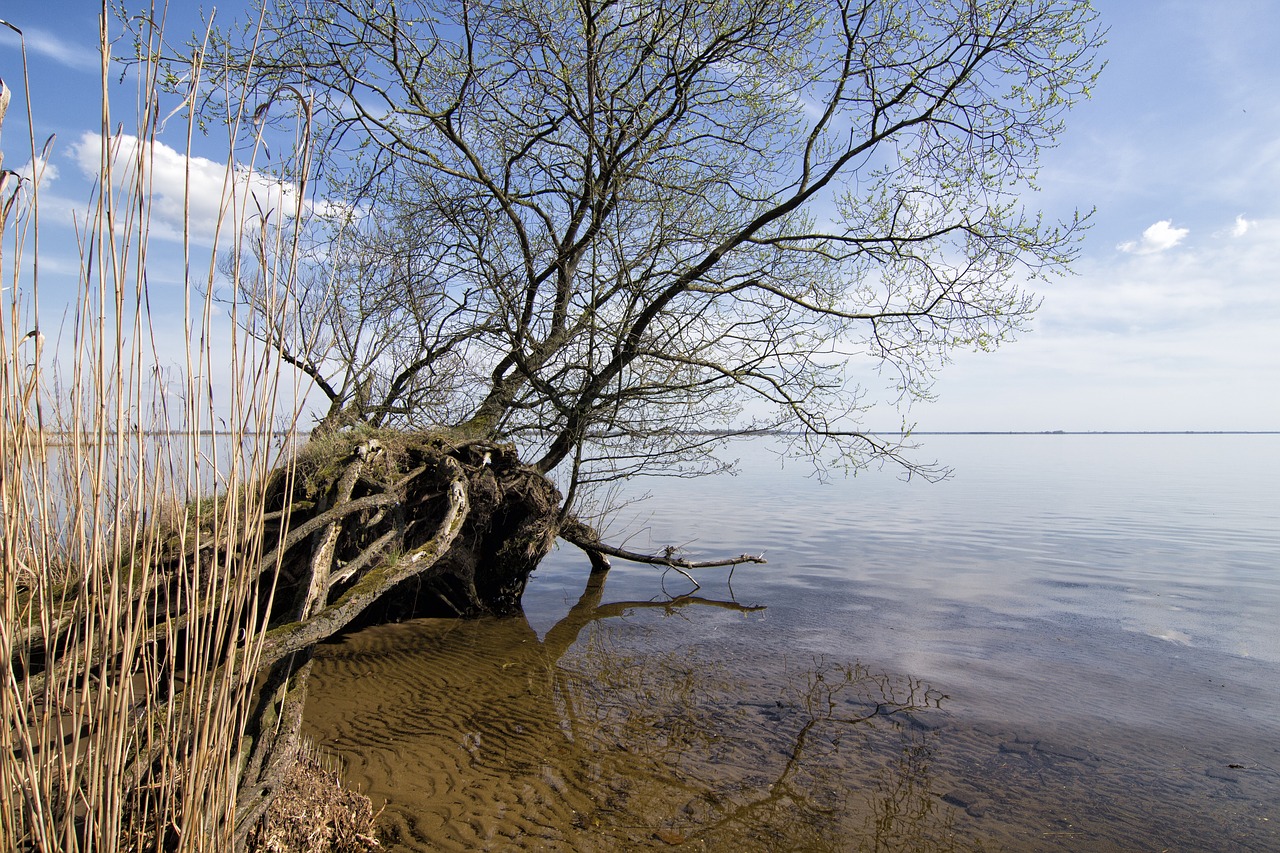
column 583, row 536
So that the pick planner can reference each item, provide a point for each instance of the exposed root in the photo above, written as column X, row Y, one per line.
column 362, row 525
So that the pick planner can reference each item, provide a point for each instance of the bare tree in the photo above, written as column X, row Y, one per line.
column 604, row 230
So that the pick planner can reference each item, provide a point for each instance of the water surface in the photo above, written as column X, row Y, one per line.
column 1070, row 645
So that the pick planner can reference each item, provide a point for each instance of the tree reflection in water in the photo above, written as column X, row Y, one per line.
column 478, row 735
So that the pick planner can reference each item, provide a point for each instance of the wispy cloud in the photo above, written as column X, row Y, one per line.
column 1160, row 237
column 1241, row 227
column 1230, row 273
column 45, row 43
column 1163, row 340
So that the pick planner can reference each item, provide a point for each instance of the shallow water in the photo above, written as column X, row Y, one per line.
column 1070, row 645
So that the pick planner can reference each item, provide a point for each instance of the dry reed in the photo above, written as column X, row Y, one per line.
column 121, row 731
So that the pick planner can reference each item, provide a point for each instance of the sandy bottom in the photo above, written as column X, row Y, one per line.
column 633, row 727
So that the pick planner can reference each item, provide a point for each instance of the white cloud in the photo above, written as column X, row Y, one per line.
column 46, row 44
column 1174, row 340
column 1158, row 238
column 1241, row 227
column 195, row 193
column 1230, row 278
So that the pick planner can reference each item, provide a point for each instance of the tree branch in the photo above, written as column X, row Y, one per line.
column 577, row 533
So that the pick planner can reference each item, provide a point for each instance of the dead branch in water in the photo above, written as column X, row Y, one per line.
column 579, row 534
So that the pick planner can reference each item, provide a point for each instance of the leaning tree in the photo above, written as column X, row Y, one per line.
column 583, row 239
column 605, row 236
column 587, row 239
column 604, row 230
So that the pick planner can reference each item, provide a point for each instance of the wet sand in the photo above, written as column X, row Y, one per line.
column 633, row 726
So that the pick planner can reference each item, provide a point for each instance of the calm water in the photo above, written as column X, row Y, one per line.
column 1070, row 645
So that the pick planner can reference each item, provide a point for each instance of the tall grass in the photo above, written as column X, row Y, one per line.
column 121, row 729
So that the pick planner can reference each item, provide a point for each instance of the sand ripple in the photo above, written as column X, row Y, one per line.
column 609, row 736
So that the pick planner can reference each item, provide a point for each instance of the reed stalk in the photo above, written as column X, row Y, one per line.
column 120, row 462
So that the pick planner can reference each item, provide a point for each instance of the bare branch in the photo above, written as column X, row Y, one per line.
column 582, row 536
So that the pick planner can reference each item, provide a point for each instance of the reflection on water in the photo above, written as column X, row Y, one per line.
column 632, row 726
column 481, row 736
column 1098, row 610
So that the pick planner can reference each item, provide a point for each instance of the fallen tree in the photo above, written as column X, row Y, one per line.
column 599, row 238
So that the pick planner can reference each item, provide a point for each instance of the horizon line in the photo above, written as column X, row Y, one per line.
column 1088, row 432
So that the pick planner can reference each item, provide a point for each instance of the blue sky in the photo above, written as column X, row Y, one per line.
column 1172, row 320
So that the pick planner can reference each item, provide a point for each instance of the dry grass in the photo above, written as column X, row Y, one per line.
column 316, row 814
column 118, row 731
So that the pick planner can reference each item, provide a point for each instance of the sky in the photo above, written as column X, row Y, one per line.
column 1171, row 320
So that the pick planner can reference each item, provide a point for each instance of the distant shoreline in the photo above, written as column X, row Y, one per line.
column 748, row 433
column 1092, row 432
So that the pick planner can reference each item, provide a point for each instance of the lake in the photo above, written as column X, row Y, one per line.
column 1072, row 644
